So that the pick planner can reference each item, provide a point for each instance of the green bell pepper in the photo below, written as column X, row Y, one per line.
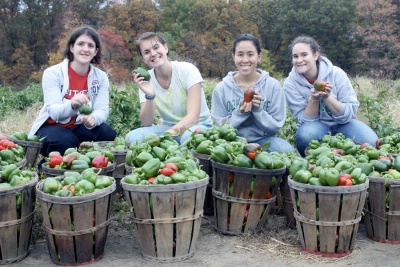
column 103, row 182
column 158, row 152
column 329, row 176
column 219, row 154
column 242, row 160
column 84, row 187
column 79, row 165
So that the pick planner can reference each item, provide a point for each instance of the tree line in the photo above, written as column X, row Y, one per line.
column 361, row 36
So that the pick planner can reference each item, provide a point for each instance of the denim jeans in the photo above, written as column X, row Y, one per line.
column 356, row 130
column 276, row 144
column 139, row 133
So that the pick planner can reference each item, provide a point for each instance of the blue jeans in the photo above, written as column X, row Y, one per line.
column 356, row 130
column 276, row 144
column 139, row 133
column 60, row 139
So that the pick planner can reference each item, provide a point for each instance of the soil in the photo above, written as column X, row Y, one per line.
column 275, row 245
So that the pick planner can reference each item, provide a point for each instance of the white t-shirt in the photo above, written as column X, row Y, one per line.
column 172, row 103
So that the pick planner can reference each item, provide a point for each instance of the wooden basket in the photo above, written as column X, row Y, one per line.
column 76, row 227
column 242, row 211
column 16, row 224
column 287, row 201
column 382, row 221
column 32, row 151
column 204, row 162
column 51, row 172
column 327, row 218
column 167, row 218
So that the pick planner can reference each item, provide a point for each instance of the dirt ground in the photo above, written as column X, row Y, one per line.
column 276, row 245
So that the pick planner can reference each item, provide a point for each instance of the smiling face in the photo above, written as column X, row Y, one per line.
column 246, row 57
column 83, row 50
column 304, row 60
column 154, row 53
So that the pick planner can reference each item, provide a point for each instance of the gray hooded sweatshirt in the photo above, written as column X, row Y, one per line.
column 263, row 121
column 297, row 90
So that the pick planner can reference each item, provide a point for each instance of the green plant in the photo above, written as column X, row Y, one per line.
column 11, row 99
column 124, row 109
column 288, row 131
column 374, row 107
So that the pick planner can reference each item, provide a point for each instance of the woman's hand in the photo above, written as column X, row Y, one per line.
column 247, row 106
column 321, row 94
column 88, row 120
column 145, row 86
column 78, row 100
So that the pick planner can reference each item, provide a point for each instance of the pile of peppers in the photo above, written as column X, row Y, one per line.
column 10, row 152
column 88, row 155
column 74, row 183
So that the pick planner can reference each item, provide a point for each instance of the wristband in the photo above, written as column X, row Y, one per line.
column 150, row 97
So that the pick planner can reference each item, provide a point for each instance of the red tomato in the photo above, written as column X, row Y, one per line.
column 167, row 171
column 172, row 166
column 252, row 155
column 343, row 180
column 384, row 157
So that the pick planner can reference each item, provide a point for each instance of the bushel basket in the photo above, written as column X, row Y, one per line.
column 382, row 210
column 76, row 227
column 327, row 217
column 243, row 197
column 167, row 218
column 17, row 205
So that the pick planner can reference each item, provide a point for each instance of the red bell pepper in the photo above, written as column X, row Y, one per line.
column 8, row 144
column 100, row 161
column 55, row 159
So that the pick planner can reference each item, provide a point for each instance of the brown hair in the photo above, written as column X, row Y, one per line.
column 148, row 36
column 83, row 30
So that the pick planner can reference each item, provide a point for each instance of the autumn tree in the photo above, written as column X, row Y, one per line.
column 209, row 41
column 330, row 22
column 378, row 34
column 125, row 22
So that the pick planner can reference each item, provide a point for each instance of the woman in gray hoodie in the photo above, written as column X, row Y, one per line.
column 333, row 110
column 261, row 118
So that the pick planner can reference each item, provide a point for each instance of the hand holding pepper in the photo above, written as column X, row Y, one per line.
column 248, row 105
column 321, row 94
column 78, row 100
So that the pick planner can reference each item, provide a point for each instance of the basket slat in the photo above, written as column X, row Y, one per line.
column 394, row 221
column 377, row 192
column 163, row 207
column 308, row 204
column 83, row 219
column 184, row 205
column 8, row 240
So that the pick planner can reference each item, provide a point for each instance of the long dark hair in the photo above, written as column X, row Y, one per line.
column 83, row 30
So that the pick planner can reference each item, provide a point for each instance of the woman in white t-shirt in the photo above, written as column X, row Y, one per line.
column 175, row 90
